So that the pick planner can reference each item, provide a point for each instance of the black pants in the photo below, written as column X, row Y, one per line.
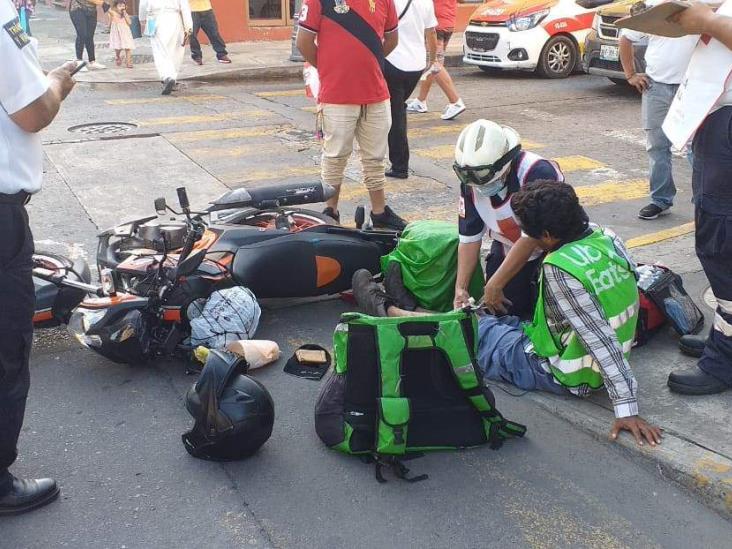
column 17, row 303
column 206, row 21
column 712, row 183
column 85, row 23
column 522, row 290
column 401, row 85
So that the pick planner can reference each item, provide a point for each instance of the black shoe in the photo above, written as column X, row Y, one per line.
column 397, row 175
column 26, row 495
column 652, row 211
column 394, row 286
column 692, row 345
column 369, row 296
column 198, row 60
column 330, row 212
column 168, row 85
column 695, row 382
column 388, row 220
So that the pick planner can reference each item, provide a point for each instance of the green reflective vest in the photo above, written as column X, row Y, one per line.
column 606, row 275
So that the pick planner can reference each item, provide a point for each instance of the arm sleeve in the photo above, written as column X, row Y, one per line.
column 470, row 225
column 428, row 15
column 633, row 36
column 392, row 17
column 310, row 15
column 587, row 319
column 22, row 80
column 185, row 10
column 544, row 170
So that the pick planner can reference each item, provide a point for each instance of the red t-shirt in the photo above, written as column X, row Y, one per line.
column 349, row 72
column 446, row 13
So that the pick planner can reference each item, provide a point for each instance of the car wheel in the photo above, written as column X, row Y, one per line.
column 558, row 58
column 619, row 81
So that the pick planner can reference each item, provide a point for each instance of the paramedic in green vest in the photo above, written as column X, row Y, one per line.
column 584, row 320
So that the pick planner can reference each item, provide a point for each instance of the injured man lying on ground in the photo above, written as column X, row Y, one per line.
column 585, row 317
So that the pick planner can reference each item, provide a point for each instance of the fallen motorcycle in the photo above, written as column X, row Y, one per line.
column 154, row 268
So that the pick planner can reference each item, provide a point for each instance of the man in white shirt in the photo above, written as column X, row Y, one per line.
column 666, row 62
column 29, row 101
column 403, row 70
column 702, row 110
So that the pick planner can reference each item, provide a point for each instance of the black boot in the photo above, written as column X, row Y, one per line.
column 168, row 85
column 26, row 495
column 695, row 382
column 371, row 299
column 692, row 345
column 394, row 286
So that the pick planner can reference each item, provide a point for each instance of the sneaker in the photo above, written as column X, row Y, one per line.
column 396, row 175
column 369, row 296
column 453, row 110
column 415, row 105
column 198, row 61
column 388, row 220
column 652, row 211
column 96, row 66
column 168, row 85
column 330, row 212
column 225, row 60
column 394, row 286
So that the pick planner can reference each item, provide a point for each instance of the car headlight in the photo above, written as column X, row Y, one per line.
column 595, row 22
column 526, row 22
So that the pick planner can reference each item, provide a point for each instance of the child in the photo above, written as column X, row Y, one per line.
column 120, row 35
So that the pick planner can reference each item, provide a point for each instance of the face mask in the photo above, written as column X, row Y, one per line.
column 495, row 187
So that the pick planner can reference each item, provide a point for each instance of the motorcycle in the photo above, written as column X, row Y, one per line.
column 154, row 268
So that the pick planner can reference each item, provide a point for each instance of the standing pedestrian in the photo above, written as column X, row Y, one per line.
column 204, row 19
column 29, row 101
column 168, row 23
column 403, row 69
column 666, row 62
column 83, row 15
column 120, row 35
column 702, row 110
column 446, row 12
column 353, row 37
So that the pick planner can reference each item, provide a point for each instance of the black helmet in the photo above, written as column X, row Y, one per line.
column 234, row 413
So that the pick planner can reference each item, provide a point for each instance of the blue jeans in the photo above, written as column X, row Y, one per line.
column 654, row 108
column 502, row 356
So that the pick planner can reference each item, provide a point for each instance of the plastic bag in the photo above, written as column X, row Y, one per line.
column 427, row 252
column 227, row 315
column 257, row 352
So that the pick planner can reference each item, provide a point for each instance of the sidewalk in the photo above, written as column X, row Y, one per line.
column 251, row 60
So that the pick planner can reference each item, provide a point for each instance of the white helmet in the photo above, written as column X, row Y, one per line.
column 484, row 152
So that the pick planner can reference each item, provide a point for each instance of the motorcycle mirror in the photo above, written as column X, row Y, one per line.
column 161, row 207
column 183, row 199
column 189, row 265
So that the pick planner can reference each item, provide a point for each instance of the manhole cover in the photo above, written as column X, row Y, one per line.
column 103, row 128
column 709, row 299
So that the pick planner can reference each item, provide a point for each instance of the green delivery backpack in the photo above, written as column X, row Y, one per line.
column 401, row 386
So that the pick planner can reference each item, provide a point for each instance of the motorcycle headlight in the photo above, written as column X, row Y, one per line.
column 526, row 22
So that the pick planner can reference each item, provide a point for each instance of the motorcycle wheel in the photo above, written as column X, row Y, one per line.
column 301, row 219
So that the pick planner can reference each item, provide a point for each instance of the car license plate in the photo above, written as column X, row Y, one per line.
column 609, row 53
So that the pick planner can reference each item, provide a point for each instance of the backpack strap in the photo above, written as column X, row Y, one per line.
column 404, row 11
column 462, row 360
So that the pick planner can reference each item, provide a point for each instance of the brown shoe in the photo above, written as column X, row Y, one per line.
column 225, row 60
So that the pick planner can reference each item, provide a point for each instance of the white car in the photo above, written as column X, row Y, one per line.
column 541, row 35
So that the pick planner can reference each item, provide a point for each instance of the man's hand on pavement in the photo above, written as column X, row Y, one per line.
column 639, row 81
column 639, row 428
column 462, row 298
column 62, row 76
column 695, row 19
column 494, row 300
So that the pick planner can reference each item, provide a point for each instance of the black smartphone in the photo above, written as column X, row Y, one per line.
column 78, row 68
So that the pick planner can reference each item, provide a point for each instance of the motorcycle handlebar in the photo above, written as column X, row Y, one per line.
column 50, row 276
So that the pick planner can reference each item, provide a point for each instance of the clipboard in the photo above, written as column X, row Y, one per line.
column 655, row 20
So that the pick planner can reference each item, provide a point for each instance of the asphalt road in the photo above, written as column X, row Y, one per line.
column 111, row 434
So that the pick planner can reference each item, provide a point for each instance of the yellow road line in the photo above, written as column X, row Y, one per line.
column 448, row 129
column 312, row 108
column 577, row 163
column 202, row 118
column 653, row 238
column 281, row 93
column 197, row 99
column 612, row 191
column 446, row 152
column 235, row 152
column 229, row 133
column 270, row 173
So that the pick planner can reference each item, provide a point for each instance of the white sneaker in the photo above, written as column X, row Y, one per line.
column 94, row 65
column 415, row 105
column 453, row 110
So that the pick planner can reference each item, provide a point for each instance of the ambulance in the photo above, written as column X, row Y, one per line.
column 546, row 36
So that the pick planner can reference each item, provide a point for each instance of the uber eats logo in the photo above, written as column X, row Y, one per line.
column 603, row 273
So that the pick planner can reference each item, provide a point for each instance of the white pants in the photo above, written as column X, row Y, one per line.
column 167, row 44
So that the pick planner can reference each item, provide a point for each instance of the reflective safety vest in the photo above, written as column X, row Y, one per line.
column 606, row 275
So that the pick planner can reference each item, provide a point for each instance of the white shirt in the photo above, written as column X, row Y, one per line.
column 410, row 54
column 21, row 82
column 666, row 58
